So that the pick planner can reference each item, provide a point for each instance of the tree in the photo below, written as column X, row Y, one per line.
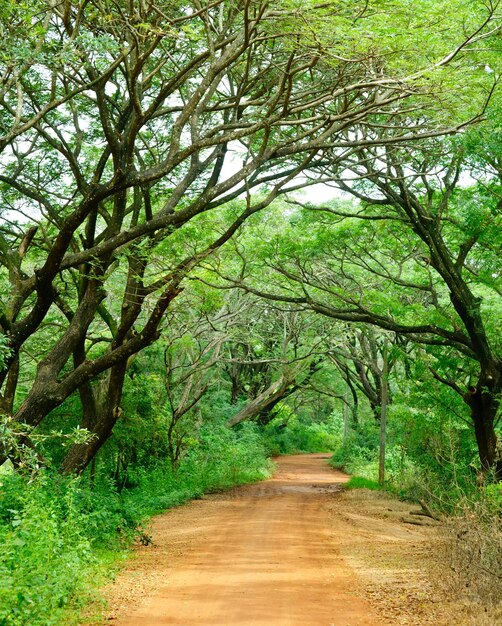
column 129, row 130
column 417, row 256
column 191, row 350
column 360, row 361
column 269, row 354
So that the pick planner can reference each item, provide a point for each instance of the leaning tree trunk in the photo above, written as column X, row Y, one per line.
column 267, row 414
column 274, row 393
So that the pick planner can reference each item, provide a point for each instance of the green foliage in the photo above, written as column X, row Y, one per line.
column 295, row 434
column 20, row 438
column 221, row 458
column 4, row 351
column 46, row 555
column 358, row 452
column 56, row 533
column 170, row 443
column 493, row 496
column 430, row 452
column 358, row 482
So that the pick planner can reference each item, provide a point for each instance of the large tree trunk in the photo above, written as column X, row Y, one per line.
column 484, row 402
column 99, row 423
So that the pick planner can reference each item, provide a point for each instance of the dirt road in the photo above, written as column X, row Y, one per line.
column 262, row 555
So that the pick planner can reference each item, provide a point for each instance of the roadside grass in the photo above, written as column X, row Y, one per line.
column 62, row 539
column 359, row 482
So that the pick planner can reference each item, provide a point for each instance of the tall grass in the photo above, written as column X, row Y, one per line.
column 472, row 546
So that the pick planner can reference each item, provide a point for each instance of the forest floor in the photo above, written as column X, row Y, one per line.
column 294, row 550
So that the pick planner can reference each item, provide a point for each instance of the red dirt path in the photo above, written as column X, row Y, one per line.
column 261, row 555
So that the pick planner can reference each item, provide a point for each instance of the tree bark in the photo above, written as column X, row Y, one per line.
column 100, row 424
column 269, row 397
column 484, row 402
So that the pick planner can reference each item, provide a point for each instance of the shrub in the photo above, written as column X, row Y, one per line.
column 358, row 454
column 292, row 435
column 46, row 556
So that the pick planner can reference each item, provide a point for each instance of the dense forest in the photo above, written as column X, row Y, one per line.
column 232, row 229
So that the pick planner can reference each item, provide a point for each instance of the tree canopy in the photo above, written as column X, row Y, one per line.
column 416, row 254
column 138, row 137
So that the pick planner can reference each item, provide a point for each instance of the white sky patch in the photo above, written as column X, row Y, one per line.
column 317, row 193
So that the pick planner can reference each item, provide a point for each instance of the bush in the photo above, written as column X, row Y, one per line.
column 56, row 532
column 46, row 556
column 287, row 434
column 358, row 454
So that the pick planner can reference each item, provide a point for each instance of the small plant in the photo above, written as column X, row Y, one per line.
column 46, row 555
column 358, row 482
column 19, row 440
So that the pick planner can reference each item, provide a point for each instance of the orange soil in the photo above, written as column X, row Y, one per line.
column 263, row 554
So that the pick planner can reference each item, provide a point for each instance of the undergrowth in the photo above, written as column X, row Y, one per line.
column 358, row 482
column 58, row 534
column 287, row 434
column 471, row 532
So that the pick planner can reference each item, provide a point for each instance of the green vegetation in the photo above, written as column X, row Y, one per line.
column 358, row 482
column 58, row 534
column 299, row 435
column 176, row 301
